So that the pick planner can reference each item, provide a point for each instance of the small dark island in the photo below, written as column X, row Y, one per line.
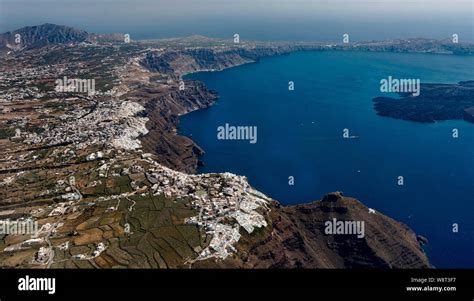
column 436, row 102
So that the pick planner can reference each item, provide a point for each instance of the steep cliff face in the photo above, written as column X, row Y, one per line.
column 296, row 238
column 178, row 63
column 163, row 110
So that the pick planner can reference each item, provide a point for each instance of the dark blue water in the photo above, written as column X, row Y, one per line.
column 300, row 135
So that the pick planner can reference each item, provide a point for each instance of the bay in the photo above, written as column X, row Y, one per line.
column 300, row 135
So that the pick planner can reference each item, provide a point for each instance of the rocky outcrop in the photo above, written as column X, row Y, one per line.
column 296, row 238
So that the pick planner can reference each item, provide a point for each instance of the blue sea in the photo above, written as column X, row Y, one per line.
column 300, row 135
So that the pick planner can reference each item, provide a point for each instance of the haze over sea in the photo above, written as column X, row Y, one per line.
column 320, row 20
column 300, row 135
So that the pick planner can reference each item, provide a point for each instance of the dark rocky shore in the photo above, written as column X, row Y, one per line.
column 436, row 102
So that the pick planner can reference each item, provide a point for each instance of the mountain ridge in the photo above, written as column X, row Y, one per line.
column 41, row 35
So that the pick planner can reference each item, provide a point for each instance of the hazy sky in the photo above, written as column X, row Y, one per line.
column 257, row 19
